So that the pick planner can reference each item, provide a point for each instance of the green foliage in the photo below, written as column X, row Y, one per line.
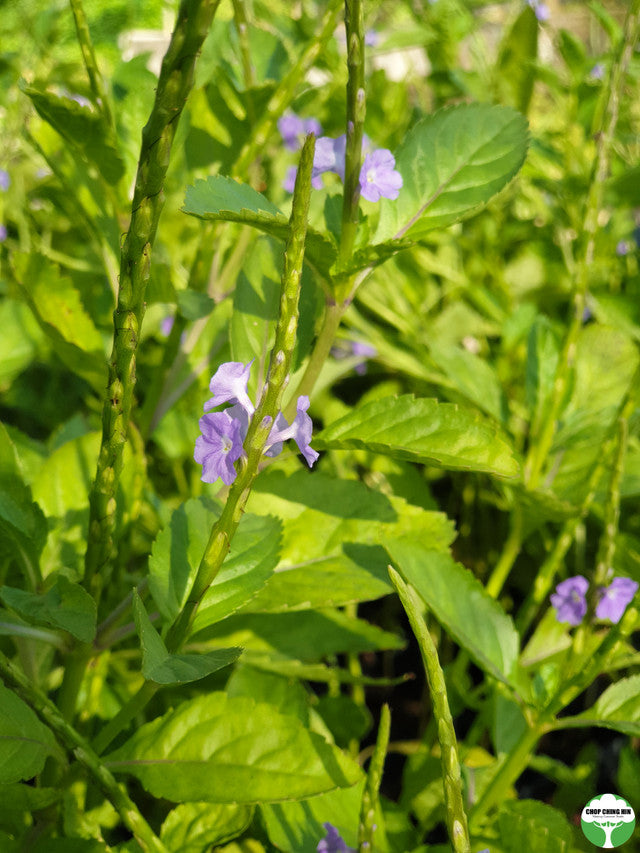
column 64, row 605
column 231, row 750
column 194, row 827
column 530, row 825
column 423, row 430
column 25, row 743
column 452, row 163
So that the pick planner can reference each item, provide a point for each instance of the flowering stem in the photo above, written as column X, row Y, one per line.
column 356, row 108
column 283, row 95
column 607, row 545
column 268, row 405
column 540, row 447
column 75, row 743
column 176, row 79
column 367, row 825
column 86, row 46
column 456, row 818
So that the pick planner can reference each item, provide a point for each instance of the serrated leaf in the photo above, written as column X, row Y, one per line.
column 25, row 743
column 22, row 523
column 197, row 827
column 164, row 668
column 178, row 549
column 462, row 606
column 618, row 708
column 64, row 605
column 452, row 163
column 222, row 198
column 534, row 827
column 231, row 750
column 423, row 430
column 85, row 130
column 60, row 313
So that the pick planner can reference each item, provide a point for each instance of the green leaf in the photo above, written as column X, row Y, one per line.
column 298, row 827
column 423, row 430
column 25, row 798
column 534, row 827
column 196, row 827
column 193, row 305
column 178, row 549
column 618, row 708
column 64, row 605
column 22, row 523
column 220, row 198
column 515, row 68
column 231, row 750
column 164, row 668
column 460, row 603
column 542, row 360
column 307, row 636
column 452, row 163
column 25, row 743
column 57, row 306
column 84, row 129
column 473, row 377
column 19, row 340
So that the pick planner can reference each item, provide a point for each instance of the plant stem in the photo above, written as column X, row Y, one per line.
column 283, row 95
column 356, row 109
column 268, row 406
column 88, row 54
column 456, row 817
column 76, row 744
column 176, row 79
column 124, row 716
column 539, row 449
column 607, row 547
column 367, row 825
column 509, row 554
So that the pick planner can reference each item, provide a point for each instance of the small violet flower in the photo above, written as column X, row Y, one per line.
column 293, row 129
column 615, row 598
column 378, row 177
column 223, row 433
column 333, row 842
column 166, row 325
column 371, row 38
column 5, row 180
column 219, row 446
column 3, row 233
column 290, row 180
column 570, row 601
column 541, row 9
column 597, row 72
column 357, row 348
column 622, row 248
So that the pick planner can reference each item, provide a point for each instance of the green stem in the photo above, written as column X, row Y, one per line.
column 456, row 817
column 540, row 447
column 367, row 825
column 86, row 46
column 515, row 763
column 176, row 79
column 356, row 108
column 124, row 716
column 75, row 743
column 509, row 554
column 607, row 546
column 283, row 95
column 268, row 406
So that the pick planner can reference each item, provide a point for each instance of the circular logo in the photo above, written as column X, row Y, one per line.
column 608, row 821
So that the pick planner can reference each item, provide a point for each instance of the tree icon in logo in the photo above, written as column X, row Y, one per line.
column 608, row 821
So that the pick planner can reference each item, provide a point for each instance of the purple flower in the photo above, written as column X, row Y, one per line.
column 219, row 446
column 622, row 248
column 293, row 129
column 371, row 38
column 166, row 325
column 333, row 842
column 597, row 72
column 615, row 598
column 290, row 180
column 3, row 233
column 329, row 156
column 541, row 9
column 570, row 600
column 5, row 180
column 378, row 177
column 300, row 431
column 229, row 385
column 80, row 99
